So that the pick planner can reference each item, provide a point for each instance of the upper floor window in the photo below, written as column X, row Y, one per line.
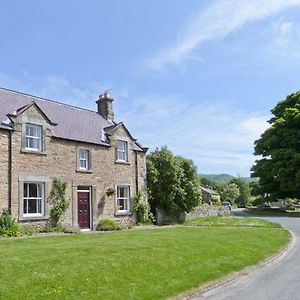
column 33, row 137
column 33, row 199
column 84, row 160
column 122, row 151
column 123, row 199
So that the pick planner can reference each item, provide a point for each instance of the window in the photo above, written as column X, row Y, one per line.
column 123, row 199
column 84, row 158
column 33, row 199
column 122, row 151
column 33, row 137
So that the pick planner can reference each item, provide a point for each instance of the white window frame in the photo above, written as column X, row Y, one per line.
column 33, row 137
column 87, row 159
column 122, row 154
column 41, row 189
column 127, row 199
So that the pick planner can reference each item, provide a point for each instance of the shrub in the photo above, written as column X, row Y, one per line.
column 71, row 229
column 28, row 229
column 107, row 225
column 142, row 209
column 8, row 225
column 58, row 200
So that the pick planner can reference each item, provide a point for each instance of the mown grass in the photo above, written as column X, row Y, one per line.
column 274, row 213
column 231, row 222
column 136, row 264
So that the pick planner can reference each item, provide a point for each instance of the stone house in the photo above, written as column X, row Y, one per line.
column 40, row 139
column 209, row 196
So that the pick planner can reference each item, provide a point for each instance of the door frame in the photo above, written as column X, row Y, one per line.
column 89, row 191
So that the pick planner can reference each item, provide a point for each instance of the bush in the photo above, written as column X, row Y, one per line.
column 28, row 229
column 58, row 200
column 142, row 209
column 107, row 225
column 8, row 225
column 71, row 229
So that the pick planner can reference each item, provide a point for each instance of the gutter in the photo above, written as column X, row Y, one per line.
column 9, row 169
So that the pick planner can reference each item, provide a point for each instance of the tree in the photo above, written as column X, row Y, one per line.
column 245, row 191
column 279, row 168
column 173, row 184
column 230, row 193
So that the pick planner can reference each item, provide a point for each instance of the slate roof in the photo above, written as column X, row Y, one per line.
column 73, row 123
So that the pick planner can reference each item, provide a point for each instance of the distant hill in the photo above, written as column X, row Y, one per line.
column 224, row 178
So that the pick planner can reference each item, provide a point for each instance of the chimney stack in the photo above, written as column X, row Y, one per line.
column 104, row 104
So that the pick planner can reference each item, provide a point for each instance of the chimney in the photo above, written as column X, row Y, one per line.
column 104, row 104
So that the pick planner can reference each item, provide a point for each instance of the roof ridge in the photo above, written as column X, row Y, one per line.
column 48, row 100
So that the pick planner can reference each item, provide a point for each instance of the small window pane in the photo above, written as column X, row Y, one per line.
column 25, row 206
column 33, row 190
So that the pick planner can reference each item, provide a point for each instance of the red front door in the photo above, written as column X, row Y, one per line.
column 84, row 210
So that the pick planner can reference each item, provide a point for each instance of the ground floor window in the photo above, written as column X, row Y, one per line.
column 33, row 199
column 123, row 199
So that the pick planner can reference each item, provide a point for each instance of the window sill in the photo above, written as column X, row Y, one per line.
column 121, row 162
column 84, row 171
column 119, row 214
column 33, row 218
column 27, row 151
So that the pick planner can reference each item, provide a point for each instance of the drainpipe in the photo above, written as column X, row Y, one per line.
column 9, row 169
column 136, row 174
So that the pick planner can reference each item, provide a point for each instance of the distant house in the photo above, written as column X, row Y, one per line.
column 40, row 139
column 209, row 196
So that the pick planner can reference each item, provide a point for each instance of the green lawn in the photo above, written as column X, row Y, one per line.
column 274, row 212
column 231, row 222
column 134, row 264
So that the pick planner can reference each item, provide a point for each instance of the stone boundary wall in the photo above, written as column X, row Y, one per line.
column 200, row 211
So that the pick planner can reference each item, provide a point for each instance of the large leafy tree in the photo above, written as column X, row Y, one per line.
column 244, row 190
column 173, row 184
column 279, row 146
column 230, row 193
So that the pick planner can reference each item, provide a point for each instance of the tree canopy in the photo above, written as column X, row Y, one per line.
column 230, row 193
column 279, row 146
column 244, row 190
column 173, row 183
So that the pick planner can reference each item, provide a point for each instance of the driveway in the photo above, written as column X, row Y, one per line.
column 277, row 281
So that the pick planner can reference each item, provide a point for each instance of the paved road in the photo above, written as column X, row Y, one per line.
column 278, row 281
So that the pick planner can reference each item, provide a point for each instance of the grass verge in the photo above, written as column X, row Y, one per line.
column 273, row 213
column 141, row 264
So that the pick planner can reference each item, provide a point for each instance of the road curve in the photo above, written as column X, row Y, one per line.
column 277, row 281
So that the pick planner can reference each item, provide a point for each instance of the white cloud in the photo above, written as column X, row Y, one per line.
column 216, row 21
column 217, row 136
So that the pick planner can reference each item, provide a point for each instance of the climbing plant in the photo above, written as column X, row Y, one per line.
column 58, row 200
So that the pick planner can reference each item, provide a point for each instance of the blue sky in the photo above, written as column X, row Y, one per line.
column 197, row 76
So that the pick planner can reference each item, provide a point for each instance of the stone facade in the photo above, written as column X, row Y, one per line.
column 4, row 141
column 59, row 159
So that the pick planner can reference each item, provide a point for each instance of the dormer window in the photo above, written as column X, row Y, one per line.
column 122, row 151
column 33, row 137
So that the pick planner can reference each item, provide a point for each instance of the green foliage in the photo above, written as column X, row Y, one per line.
column 230, row 193
column 58, row 200
column 173, row 183
column 107, row 225
column 71, row 229
column 8, row 225
column 142, row 209
column 245, row 191
column 279, row 168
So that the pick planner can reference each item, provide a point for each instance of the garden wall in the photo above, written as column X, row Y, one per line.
column 200, row 211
